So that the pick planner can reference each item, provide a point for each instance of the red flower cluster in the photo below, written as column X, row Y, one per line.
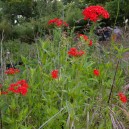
column 86, row 39
column 123, row 98
column 19, row 87
column 74, row 52
column 94, row 13
column 12, row 71
column 54, row 74
column 96, row 72
column 57, row 22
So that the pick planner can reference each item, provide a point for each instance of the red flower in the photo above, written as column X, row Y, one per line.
column 80, row 53
column 23, row 90
column 94, row 13
column 90, row 43
column 84, row 36
column 58, row 22
column 52, row 21
column 123, row 98
column 4, row 92
column 12, row 71
column 96, row 72
column 65, row 24
column 74, row 52
column 54, row 74
column 86, row 39
column 19, row 87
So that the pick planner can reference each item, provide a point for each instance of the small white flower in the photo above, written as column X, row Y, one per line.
column 126, row 21
column 8, row 52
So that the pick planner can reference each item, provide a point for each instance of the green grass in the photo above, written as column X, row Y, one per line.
column 77, row 99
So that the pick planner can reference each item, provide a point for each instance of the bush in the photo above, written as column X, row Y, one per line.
column 122, row 9
column 16, row 49
column 6, row 28
column 24, row 32
column 72, row 14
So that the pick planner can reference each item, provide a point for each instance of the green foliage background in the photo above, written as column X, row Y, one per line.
column 32, row 15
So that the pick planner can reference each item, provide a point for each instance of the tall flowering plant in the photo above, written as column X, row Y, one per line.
column 86, row 39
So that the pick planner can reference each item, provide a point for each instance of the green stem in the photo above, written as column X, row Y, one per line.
column 113, row 82
column 118, row 9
